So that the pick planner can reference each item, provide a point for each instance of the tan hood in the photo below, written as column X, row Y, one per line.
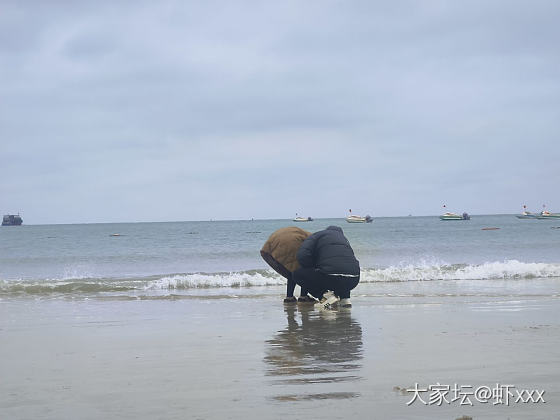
column 282, row 246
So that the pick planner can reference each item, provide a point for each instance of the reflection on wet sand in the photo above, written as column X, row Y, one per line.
column 317, row 351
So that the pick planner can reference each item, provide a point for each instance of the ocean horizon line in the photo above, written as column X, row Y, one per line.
column 250, row 220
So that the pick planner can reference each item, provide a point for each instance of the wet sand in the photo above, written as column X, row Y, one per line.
column 249, row 356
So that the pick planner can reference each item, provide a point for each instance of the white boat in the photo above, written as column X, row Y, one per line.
column 302, row 219
column 526, row 214
column 352, row 218
column 450, row 216
column 545, row 214
column 454, row 216
column 548, row 215
column 355, row 219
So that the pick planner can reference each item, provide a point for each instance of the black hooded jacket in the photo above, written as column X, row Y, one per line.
column 330, row 252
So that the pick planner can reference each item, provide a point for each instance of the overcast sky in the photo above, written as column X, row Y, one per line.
column 196, row 110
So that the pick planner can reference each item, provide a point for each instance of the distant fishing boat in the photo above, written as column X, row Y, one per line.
column 548, row 215
column 545, row 214
column 454, row 216
column 302, row 219
column 352, row 218
column 526, row 214
column 12, row 220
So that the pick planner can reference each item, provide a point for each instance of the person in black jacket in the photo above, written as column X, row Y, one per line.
column 328, row 264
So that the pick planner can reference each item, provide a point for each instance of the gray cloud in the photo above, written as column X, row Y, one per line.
column 169, row 110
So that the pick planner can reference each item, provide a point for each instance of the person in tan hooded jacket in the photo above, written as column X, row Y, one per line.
column 279, row 251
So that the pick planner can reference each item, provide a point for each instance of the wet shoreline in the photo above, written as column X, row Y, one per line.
column 147, row 359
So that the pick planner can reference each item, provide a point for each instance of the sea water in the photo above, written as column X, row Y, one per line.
column 175, row 258
column 168, row 318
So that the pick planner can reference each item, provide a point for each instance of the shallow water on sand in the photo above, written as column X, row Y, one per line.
column 253, row 357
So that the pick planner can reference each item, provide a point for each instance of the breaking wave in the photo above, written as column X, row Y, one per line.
column 510, row 269
column 148, row 284
column 207, row 280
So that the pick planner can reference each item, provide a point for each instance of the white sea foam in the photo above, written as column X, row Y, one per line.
column 429, row 271
column 206, row 280
column 509, row 269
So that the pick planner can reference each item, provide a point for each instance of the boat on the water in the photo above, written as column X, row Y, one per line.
column 12, row 220
column 353, row 218
column 526, row 214
column 545, row 214
column 455, row 216
column 548, row 215
column 302, row 219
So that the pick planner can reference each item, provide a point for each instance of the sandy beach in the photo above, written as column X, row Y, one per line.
column 171, row 169
column 241, row 353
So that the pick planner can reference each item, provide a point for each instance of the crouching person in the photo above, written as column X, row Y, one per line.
column 329, row 270
column 279, row 251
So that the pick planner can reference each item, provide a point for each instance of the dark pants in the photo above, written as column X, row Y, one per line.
column 317, row 283
column 291, row 286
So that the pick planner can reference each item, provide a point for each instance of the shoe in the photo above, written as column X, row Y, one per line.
column 345, row 303
column 328, row 301
column 306, row 299
column 290, row 299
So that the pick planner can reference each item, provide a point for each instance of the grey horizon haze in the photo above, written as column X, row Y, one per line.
column 198, row 110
